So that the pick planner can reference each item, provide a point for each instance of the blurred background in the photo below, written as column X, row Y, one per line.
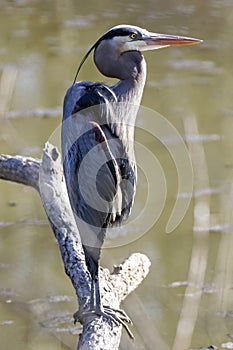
column 43, row 42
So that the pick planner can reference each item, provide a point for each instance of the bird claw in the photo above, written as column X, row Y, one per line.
column 108, row 313
column 122, row 319
column 123, row 315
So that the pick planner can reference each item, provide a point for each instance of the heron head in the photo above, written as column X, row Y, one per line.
column 125, row 38
column 132, row 38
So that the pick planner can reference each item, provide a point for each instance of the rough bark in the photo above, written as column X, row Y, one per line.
column 24, row 170
column 46, row 177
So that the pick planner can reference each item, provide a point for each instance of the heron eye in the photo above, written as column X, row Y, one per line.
column 133, row 36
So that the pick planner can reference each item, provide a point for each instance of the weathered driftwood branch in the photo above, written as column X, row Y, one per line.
column 46, row 177
column 19, row 169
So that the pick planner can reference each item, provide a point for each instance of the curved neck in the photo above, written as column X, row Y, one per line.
column 130, row 68
column 116, row 64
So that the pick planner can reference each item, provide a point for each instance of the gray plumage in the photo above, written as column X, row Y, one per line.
column 98, row 142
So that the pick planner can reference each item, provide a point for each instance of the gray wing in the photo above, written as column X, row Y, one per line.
column 91, row 172
column 100, row 177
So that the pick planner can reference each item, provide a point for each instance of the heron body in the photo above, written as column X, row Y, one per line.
column 98, row 140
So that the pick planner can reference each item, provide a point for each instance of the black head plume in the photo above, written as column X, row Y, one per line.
column 84, row 59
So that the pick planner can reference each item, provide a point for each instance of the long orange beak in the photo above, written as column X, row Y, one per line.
column 156, row 41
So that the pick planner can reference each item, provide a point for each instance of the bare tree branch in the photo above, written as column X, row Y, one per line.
column 46, row 177
column 19, row 169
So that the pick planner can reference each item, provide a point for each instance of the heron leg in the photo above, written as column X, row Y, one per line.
column 92, row 299
column 107, row 309
column 118, row 316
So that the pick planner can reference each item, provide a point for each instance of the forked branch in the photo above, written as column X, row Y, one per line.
column 46, row 177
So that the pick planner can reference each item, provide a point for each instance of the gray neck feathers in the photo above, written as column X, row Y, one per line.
column 130, row 68
column 116, row 64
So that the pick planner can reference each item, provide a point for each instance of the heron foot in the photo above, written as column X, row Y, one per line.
column 122, row 314
column 118, row 316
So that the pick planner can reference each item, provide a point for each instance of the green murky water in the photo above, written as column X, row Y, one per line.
column 44, row 41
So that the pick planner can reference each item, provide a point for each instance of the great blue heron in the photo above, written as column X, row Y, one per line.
column 97, row 142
